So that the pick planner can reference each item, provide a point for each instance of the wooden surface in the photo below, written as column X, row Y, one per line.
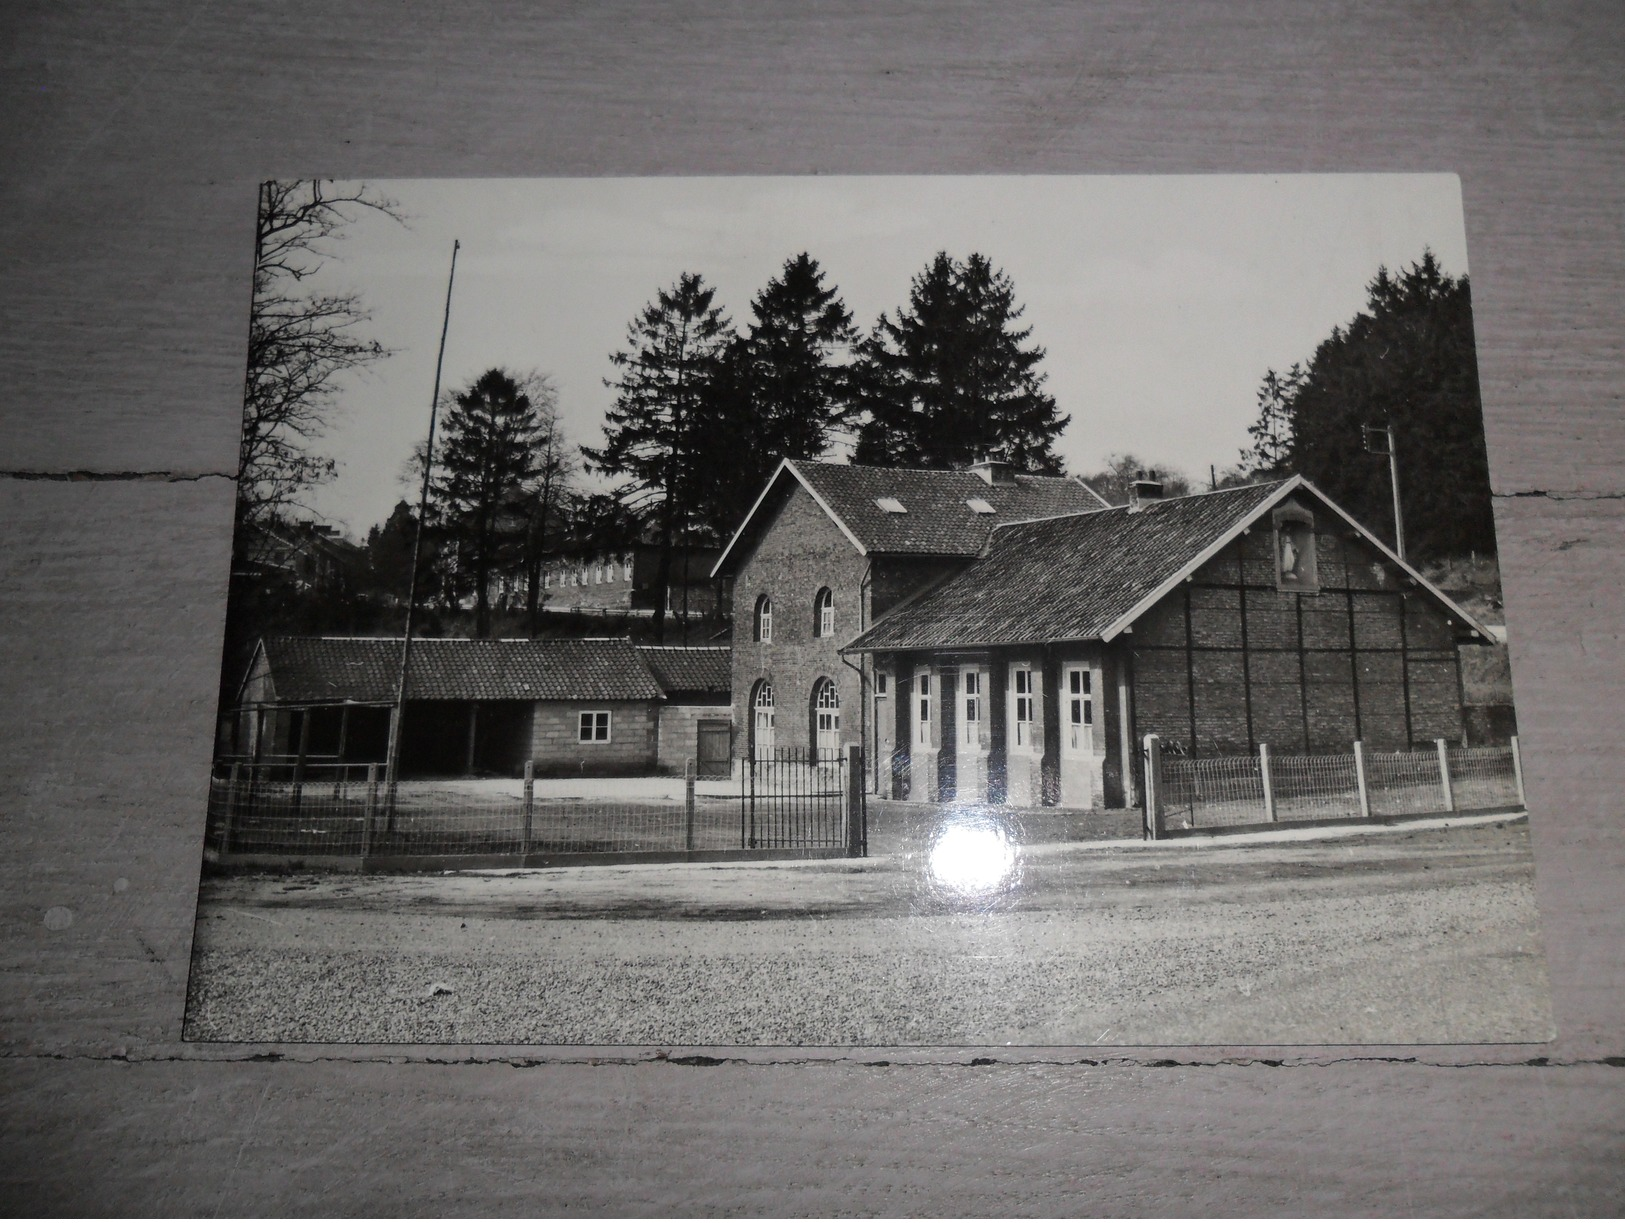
column 133, row 137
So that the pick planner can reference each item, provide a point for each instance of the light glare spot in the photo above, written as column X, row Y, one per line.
column 972, row 856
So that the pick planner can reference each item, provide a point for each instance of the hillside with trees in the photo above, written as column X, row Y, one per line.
column 1407, row 360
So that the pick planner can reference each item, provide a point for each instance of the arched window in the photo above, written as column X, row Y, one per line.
column 826, row 720
column 824, row 613
column 761, row 721
column 764, row 619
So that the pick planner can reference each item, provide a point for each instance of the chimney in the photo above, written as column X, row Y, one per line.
column 1144, row 490
column 994, row 471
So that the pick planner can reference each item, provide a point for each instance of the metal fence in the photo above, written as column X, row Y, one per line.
column 1185, row 794
column 792, row 803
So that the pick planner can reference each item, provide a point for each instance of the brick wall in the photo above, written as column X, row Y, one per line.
column 801, row 552
column 1228, row 661
column 556, row 748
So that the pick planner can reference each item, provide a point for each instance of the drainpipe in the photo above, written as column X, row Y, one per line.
column 863, row 681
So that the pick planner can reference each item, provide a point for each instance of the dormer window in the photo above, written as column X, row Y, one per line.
column 978, row 506
column 891, row 505
column 824, row 613
column 1296, row 565
column 764, row 619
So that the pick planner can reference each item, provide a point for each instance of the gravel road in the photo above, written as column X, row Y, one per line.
column 1406, row 936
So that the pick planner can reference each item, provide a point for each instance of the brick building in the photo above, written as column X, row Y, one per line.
column 624, row 580
column 592, row 707
column 1217, row 621
column 826, row 549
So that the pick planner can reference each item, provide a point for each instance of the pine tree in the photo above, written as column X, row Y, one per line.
column 1272, row 432
column 779, row 390
column 952, row 378
column 489, row 456
column 655, row 434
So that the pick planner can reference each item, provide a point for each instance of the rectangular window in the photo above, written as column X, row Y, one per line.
column 594, row 726
column 1080, row 711
column 1024, row 707
column 973, row 704
column 925, row 709
column 826, row 620
column 880, row 683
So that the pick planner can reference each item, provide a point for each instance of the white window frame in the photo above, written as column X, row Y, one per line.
column 827, row 707
column 764, row 619
column 760, row 749
column 1024, row 695
column 971, row 683
column 587, row 731
column 922, row 708
column 1080, row 708
column 826, row 612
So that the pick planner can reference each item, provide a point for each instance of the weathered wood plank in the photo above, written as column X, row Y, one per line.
column 338, row 1140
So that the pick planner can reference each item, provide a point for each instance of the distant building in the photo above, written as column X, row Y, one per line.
column 311, row 555
column 590, row 707
column 625, row 580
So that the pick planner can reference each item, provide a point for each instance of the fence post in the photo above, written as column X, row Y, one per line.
column 854, row 801
column 688, row 804
column 371, row 812
column 1269, row 783
column 1359, row 780
column 530, row 806
column 231, row 809
column 1153, row 787
column 1517, row 772
column 1444, row 775
column 299, row 760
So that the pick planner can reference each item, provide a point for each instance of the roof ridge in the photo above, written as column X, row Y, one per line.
column 928, row 471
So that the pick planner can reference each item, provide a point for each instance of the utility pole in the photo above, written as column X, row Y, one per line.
column 1380, row 440
column 392, row 763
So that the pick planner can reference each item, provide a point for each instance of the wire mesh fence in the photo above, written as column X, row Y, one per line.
column 1229, row 791
column 1212, row 792
column 790, row 803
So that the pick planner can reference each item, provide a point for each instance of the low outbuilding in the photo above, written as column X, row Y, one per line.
column 590, row 707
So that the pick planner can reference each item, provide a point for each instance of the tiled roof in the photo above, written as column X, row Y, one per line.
column 690, row 668
column 936, row 520
column 1066, row 579
column 366, row 669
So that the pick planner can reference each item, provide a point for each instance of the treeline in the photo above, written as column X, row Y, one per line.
column 1407, row 360
column 705, row 411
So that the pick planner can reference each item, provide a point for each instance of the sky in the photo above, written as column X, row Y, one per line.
column 1161, row 301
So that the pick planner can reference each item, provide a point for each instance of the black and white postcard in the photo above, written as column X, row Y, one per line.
column 865, row 611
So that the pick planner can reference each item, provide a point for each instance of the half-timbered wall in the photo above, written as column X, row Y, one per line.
column 1229, row 661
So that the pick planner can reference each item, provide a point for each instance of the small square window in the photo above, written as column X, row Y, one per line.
column 891, row 505
column 594, row 727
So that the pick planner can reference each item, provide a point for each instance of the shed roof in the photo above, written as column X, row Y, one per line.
column 1088, row 576
column 325, row 670
column 690, row 668
column 936, row 517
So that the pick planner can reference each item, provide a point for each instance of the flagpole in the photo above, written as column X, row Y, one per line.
column 392, row 764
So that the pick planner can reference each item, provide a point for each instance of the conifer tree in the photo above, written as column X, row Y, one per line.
column 655, row 433
column 493, row 430
column 1408, row 359
column 953, row 377
column 779, row 391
